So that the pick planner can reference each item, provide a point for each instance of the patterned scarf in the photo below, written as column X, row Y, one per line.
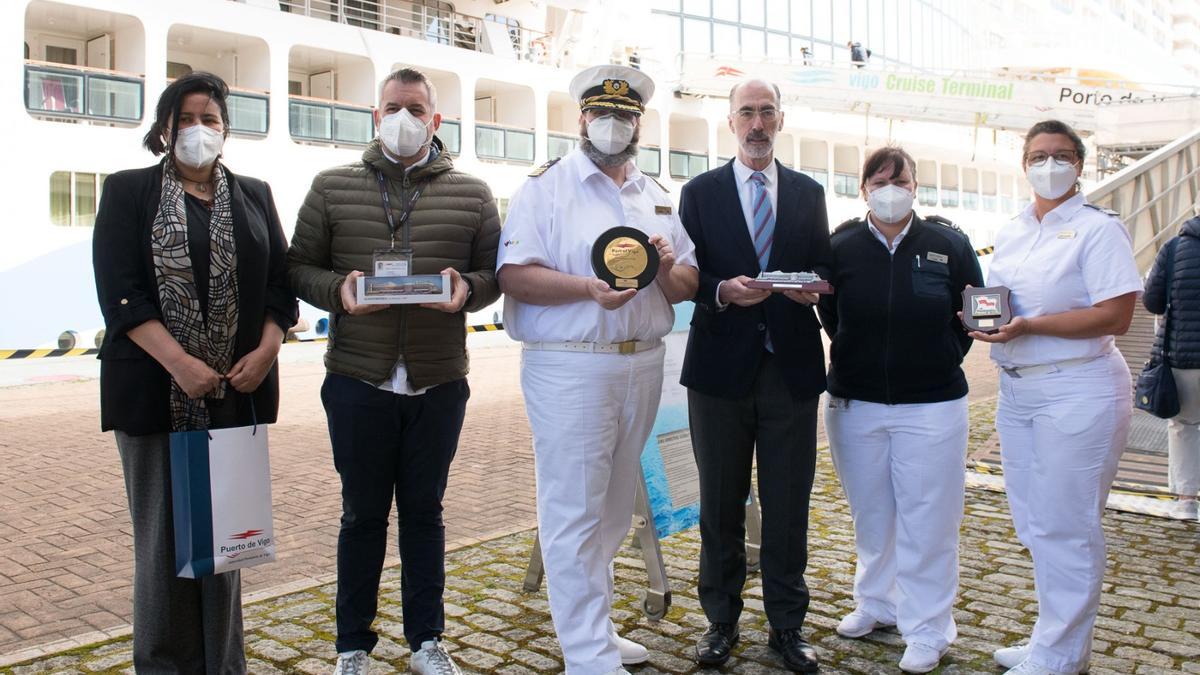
column 211, row 338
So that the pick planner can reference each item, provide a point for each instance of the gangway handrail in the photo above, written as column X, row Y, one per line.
column 1161, row 191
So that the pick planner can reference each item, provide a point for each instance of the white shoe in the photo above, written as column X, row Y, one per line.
column 432, row 659
column 1011, row 657
column 352, row 663
column 1028, row 667
column 919, row 658
column 858, row 623
column 1184, row 509
column 631, row 652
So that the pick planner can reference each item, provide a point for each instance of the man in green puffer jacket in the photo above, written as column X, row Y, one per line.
column 396, row 389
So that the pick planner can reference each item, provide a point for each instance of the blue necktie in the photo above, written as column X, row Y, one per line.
column 764, row 219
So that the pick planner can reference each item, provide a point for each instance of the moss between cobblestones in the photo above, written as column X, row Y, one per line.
column 1149, row 618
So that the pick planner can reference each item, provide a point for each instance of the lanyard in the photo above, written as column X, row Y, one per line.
column 404, row 214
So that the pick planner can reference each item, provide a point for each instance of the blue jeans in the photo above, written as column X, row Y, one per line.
column 388, row 446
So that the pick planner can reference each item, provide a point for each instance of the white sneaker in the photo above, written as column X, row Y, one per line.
column 631, row 652
column 352, row 663
column 1028, row 667
column 1184, row 509
column 919, row 658
column 1011, row 657
column 858, row 623
column 432, row 659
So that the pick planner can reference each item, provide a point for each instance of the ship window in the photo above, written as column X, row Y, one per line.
column 451, row 134
column 649, row 160
column 74, row 197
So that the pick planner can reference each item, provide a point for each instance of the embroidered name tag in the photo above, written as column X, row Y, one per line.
column 938, row 257
column 662, row 210
column 1066, row 234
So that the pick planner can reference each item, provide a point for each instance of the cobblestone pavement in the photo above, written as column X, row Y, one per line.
column 1149, row 617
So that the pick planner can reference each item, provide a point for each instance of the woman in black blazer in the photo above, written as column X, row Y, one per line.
column 191, row 277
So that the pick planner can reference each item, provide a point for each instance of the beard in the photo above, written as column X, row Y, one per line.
column 608, row 161
column 758, row 150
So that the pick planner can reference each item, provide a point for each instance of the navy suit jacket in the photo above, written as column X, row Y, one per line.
column 725, row 347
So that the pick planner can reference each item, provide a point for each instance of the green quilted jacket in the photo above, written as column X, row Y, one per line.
column 454, row 223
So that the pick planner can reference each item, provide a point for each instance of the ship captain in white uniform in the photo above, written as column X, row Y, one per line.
column 1065, row 399
column 592, row 365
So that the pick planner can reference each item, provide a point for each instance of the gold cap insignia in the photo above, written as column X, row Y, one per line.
column 616, row 87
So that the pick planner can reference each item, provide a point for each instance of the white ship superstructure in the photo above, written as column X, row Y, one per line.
column 304, row 75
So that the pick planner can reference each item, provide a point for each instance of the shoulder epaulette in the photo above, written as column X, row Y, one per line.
column 664, row 187
column 1101, row 209
column 944, row 222
column 848, row 224
column 542, row 169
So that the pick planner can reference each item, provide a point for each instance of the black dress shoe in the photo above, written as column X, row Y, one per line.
column 714, row 647
column 798, row 655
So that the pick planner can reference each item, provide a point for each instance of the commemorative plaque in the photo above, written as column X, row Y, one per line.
column 791, row 281
column 624, row 258
column 986, row 309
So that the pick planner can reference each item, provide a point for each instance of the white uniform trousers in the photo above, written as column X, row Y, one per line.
column 903, row 470
column 590, row 415
column 1183, row 434
column 1061, row 435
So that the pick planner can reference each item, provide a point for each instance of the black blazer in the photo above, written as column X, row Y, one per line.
column 134, row 388
column 725, row 347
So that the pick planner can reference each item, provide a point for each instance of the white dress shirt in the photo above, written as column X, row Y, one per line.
column 553, row 221
column 745, row 186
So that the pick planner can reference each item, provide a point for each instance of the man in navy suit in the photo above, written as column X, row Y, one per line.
column 754, row 369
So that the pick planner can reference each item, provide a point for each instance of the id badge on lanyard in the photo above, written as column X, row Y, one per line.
column 393, row 261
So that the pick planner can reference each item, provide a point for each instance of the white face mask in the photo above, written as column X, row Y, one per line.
column 1051, row 179
column 890, row 203
column 198, row 146
column 403, row 134
column 610, row 134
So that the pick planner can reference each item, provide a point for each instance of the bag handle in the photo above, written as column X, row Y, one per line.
column 1172, row 245
column 229, row 391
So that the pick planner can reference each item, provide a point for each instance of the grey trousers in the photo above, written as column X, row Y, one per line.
column 179, row 625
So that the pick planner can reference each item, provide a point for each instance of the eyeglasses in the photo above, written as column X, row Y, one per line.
column 1062, row 157
column 768, row 115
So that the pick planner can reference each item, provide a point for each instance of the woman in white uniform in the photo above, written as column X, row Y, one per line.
column 897, row 409
column 1065, row 398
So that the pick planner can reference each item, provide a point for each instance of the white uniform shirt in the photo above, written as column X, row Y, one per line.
column 553, row 221
column 1076, row 257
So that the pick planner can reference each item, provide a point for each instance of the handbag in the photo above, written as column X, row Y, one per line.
column 221, row 500
column 1155, row 389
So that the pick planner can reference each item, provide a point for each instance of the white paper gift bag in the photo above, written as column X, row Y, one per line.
column 221, row 498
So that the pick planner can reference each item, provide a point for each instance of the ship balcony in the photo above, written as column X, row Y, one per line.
column 71, row 93
column 846, row 162
column 330, row 97
column 434, row 22
column 814, row 160
column 83, row 65
column 559, row 144
column 451, row 135
column 687, row 156
column 504, row 122
column 649, row 160
column 242, row 61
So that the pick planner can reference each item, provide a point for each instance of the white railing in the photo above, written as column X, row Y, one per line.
column 500, row 36
column 1155, row 195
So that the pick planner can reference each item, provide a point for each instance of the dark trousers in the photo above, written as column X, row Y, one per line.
column 388, row 446
column 191, row 626
column 727, row 433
